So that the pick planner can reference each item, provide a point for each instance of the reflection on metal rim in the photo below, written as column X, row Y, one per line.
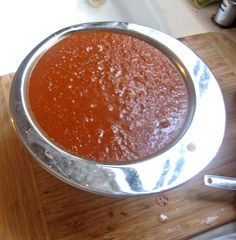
column 196, row 147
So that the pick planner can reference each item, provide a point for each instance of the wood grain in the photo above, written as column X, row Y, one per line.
column 20, row 208
column 36, row 205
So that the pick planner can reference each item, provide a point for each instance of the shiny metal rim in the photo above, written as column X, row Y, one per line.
column 186, row 158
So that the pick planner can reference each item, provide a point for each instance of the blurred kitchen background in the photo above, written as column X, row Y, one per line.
column 25, row 23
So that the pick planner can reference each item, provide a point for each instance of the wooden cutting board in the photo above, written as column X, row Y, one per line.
column 36, row 205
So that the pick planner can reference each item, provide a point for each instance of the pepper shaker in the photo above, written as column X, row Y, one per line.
column 226, row 13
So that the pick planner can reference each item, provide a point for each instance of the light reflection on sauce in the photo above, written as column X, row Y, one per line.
column 107, row 96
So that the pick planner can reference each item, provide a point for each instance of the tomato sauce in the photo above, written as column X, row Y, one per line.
column 107, row 96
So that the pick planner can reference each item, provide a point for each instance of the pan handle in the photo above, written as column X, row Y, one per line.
column 220, row 182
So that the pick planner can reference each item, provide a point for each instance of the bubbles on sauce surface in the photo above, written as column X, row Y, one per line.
column 108, row 96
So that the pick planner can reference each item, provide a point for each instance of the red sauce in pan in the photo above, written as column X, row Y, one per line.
column 107, row 96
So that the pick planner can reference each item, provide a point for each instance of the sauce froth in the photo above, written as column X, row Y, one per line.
column 107, row 96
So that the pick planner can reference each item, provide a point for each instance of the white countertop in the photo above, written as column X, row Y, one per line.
column 25, row 23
